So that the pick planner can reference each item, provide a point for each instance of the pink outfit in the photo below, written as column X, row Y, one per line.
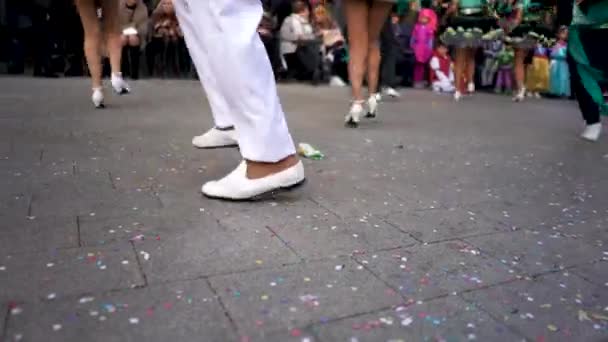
column 422, row 40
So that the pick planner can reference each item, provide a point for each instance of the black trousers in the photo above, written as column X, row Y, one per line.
column 305, row 62
column 597, row 53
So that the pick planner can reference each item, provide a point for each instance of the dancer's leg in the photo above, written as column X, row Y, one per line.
column 92, row 39
column 459, row 69
column 111, row 30
column 356, row 12
column 520, row 74
column 245, row 79
column 244, row 74
column 192, row 18
column 377, row 16
column 470, row 69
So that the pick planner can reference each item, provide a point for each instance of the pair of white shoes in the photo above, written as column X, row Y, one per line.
column 119, row 85
column 358, row 109
column 236, row 186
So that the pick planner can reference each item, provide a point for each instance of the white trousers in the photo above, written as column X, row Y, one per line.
column 235, row 72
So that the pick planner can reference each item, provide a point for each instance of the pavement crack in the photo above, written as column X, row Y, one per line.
column 78, row 231
column 111, row 178
column 223, row 306
column 140, row 266
column 284, row 242
column 4, row 331
column 41, row 156
column 30, row 205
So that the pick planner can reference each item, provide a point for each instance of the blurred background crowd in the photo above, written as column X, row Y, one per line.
column 305, row 41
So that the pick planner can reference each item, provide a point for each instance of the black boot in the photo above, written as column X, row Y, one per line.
column 134, row 54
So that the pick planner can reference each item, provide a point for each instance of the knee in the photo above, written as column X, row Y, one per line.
column 134, row 41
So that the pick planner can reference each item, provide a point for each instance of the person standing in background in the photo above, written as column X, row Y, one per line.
column 389, row 50
column 134, row 22
column 560, row 75
column 423, row 38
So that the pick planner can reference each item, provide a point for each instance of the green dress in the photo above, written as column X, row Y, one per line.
column 468, row 26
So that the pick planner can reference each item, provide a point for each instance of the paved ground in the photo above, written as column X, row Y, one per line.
column 481, row 221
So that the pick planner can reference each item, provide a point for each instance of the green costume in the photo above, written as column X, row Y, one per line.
column 588, row 56
column 467, row 27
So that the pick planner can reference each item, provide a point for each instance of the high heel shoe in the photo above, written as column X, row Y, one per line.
column 372, row 106
column 119, row 85
column 520, row 96
column 353, row 117
column 97, row 98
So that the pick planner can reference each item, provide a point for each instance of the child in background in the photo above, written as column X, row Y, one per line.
column 442, row 73
column 490, row 67
column 504, row 77
column 421, row 42
column 537, row 75
column 560, row 74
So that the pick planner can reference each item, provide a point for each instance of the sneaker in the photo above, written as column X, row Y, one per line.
column 391, row 92
column 537, row 95
column 97, row 98
column 592, row 132
column 372, row 106
column 237, row 187
column 336, row 81
column 119, row 85
column 216, row 138
column 353, row 117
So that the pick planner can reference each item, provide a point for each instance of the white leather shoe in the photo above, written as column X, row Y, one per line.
column 457, row 96
column 372, row 106
column 216, row 138
column 119, row 85
column 353, row 117
column 97, row 98
column 237, row 187
column 471, row 87
column 391, row 92
column 592, row 132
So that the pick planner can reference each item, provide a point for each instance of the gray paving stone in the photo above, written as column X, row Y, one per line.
column 3, row 316
column 596, row 273
column 201, row 247
column 314, row 232
column 443, row 319
column 552, row 307
column 275, row 301
column 26, row 235
column 535, row 252
column 183, row 311
column 68, row 272
column 443, row 224
column 96, row 230
column 424, row 272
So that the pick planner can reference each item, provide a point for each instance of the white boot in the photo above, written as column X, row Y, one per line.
column 372, row 106
column 119, row 85
column 236, row 186
column 521, row 94
column 97, row 98
column 471, row 88
column 353, row 117
column 216, row 138
column 457, row 96
column 592, row 132
column 391, row 92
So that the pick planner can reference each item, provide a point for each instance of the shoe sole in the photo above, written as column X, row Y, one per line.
column 261, row 197
column 216, row 147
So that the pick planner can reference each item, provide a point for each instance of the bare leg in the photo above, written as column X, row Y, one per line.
column 520, row 56
column 470, row 66
column 459, row 69
column 356, row 12
column 112, row 33
column 378, row 14
column 92, row 39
